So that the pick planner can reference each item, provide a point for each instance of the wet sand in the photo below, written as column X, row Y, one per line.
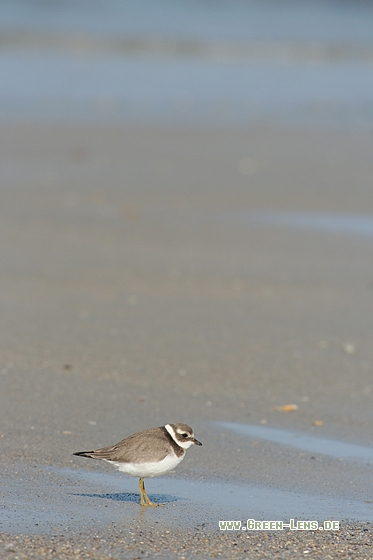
column 138, row 289
column 144, row 542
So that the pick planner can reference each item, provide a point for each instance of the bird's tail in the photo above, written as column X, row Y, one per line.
column 90, row 454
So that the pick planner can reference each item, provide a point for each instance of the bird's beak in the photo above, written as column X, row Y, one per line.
column 196, row 441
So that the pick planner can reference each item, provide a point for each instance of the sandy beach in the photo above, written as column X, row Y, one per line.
column 154, row 274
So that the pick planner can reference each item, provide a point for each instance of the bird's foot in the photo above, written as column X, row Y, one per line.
column 149, row 503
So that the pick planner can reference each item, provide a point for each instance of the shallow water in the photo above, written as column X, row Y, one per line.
column 239, row 63
column 314, row 222
column 351, row 225
column 329, row 223
column 256, row 501
column 56, row 86
column 239, row 20
column 305, row 442
column 71, row 499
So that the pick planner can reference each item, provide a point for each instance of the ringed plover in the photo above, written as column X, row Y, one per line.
column 147, row 454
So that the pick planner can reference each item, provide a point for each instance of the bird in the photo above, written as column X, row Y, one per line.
column 149, row 453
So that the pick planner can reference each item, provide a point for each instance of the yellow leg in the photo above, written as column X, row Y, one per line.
column 142, row 488
column 144, row 498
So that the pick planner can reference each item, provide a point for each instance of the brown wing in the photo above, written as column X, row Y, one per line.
column 152, row 441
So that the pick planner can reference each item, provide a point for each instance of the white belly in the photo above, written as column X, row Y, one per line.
column 149, row 470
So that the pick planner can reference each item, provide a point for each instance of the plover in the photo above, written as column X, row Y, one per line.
column 147, row 454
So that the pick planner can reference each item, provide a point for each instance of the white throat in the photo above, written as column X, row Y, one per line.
column 183, row 444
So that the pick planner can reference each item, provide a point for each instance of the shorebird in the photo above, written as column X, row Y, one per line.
column 147, row 454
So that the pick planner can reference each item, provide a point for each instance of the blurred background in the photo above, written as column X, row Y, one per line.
column 186, row 229
column 225, row 62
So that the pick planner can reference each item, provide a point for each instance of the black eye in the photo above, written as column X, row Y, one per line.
column 184, row 435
